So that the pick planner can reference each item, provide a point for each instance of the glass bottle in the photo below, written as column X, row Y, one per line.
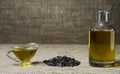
column 101, row 42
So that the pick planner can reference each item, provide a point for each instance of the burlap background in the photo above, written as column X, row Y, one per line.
column 53, row 21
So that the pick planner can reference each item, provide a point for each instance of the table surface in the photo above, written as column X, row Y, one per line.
column 47, row 51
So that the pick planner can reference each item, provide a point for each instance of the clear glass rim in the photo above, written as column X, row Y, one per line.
column 28, row 46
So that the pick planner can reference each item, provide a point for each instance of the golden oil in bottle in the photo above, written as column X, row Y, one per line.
column 101, row 47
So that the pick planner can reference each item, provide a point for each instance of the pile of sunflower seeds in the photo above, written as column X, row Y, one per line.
column 62, row 61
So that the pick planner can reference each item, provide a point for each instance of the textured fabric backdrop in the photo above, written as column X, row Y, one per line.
column 53, row 21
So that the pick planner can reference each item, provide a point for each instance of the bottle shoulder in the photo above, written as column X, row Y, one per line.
column 102, row 26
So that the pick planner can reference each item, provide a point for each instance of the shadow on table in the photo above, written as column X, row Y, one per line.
column 37, row 63
column 117, row 63
column 33, row 63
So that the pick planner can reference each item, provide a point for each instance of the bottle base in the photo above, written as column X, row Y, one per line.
column 101, row 64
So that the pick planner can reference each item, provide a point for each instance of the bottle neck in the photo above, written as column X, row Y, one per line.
column 102, row 22
column 103, row 17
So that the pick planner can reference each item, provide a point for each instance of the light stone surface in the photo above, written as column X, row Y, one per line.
column 47, row 51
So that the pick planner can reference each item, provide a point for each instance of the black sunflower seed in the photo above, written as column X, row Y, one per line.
column 62, row 61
